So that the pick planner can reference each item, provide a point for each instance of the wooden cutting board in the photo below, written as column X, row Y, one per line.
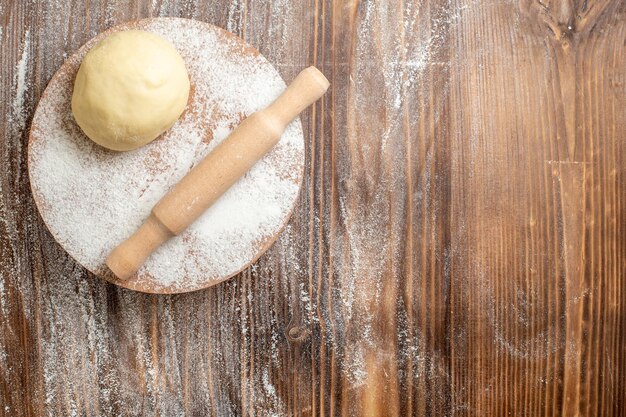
column 92, row 198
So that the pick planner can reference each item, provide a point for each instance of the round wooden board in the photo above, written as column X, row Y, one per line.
column 91, row 198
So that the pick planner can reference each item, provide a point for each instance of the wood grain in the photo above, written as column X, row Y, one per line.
column 459, row 247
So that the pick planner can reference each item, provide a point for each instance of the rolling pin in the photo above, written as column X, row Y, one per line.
column 216, row 173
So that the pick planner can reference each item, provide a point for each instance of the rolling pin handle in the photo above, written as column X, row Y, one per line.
column 126, row 259
column 308, row 86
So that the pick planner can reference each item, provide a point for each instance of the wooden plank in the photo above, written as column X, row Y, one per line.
column 459, row 246
column 538, row 116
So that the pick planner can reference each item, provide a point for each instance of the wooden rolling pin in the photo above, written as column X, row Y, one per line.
column 217, row 172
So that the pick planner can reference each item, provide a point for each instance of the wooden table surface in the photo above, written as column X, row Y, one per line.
column 458, row 249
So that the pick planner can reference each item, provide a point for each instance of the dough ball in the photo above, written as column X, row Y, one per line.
column 129, row 89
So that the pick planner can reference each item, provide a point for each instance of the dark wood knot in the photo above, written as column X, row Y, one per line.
column 567, row 20
column 298, row 334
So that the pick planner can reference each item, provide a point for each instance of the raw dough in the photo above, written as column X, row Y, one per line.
column 130, row 88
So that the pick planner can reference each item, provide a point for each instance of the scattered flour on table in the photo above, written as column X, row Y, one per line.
column 16, row 124
column 18, row 112
column 1, row 27
column 401, row 57
column 236, row 12
column 92, row 199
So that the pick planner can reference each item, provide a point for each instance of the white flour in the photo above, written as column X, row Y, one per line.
column 92, row 199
